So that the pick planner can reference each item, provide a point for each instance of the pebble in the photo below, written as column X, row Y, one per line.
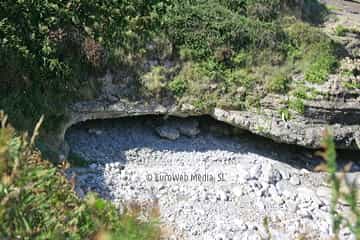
column 255, row 172
column 238, row 191
column 93, row 166
column 271, row 174
column 255, row 186
column 295, row 180
column 323, row 193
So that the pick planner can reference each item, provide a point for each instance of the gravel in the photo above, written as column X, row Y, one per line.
column 206, row 186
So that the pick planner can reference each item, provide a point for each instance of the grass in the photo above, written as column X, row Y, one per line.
column 278, row 84
column 285, row 114
column 341, row 31
column 321, row 68
column 297, row 104
column 304, row 92
column 178, row 86
column 341, row 189
column 38, row 202
column 352, row 86
column 154, row 81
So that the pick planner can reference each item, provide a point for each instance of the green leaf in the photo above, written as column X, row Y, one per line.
column 75, row 20
column 100, row 204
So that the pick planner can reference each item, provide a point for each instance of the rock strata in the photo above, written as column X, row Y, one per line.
column 299, row 131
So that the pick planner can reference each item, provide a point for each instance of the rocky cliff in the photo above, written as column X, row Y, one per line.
column 335, row 105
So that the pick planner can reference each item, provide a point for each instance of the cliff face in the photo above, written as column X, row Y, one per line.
column 336, row 104
column 342, row 118
column 335, row 107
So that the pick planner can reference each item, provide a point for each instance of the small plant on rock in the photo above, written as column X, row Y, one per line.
column 297, row 105
column 341, row 30
column 278, row 84
column 178, row 86
column 319, row 71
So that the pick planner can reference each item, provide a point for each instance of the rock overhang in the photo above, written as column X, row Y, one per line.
column 299, row 131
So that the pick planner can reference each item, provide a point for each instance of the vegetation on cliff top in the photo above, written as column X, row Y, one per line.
column 222, row 52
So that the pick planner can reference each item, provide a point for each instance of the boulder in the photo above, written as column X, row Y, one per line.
column 168, row 132
column 189, row 128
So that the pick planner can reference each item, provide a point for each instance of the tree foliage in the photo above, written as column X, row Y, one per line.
column 46, row 47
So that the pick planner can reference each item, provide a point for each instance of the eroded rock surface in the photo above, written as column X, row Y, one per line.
column 301, row 131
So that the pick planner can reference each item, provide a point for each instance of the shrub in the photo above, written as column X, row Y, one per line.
column 178, row 86
column 52, row 56
column 51, row 43
column 264, row 10
column 278, row 84
column 193, row 78
column 304, row 35
column 191, row 25
column 239, row 78
column 297, row 105
column 37, row 202
column 301, row 92
column 240, row 59
column 186, row 54
column 316, row 74
column 154, row 81
column 317, row 50
column 252, row 101
column 341, row 30
column 319, row 71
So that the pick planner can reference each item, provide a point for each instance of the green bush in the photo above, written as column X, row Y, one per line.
column 37, row 201
column 239, row 78
column 297, row 105
column 47, row 48
column 278, row 84
column 301, row 92
column 50, row 50
column 178, row 86
column 240, row 59
column 252, row 102
column 194, row 77
column 341, row 30
column 319, row 70
column 318, row 52
column 186, row 54
column 191, row 25
column 353, row 86
column 304, row 35
column 154, row 81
